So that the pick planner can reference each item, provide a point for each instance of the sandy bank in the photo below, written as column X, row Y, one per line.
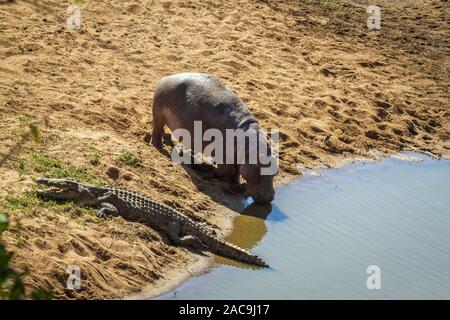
column 336, row 91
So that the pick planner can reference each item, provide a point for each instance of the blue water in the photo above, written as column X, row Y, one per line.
column 323, row 232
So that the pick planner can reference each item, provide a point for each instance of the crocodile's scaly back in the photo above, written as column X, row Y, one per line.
column 133, row 206
column 155, row 214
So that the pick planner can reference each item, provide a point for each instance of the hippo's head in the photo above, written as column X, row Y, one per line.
column 259, row 187
column 259, row 167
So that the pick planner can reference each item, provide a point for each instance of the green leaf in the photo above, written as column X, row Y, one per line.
column 35, row 133
column 3, row 221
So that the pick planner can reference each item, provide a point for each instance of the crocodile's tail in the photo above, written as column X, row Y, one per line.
column 229, row 250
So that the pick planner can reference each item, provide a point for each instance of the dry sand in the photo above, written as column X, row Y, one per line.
column 336, row 90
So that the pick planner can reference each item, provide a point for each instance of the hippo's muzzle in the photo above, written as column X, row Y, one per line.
column 261, row 196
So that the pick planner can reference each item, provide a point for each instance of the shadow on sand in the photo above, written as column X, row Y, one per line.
column 249, row 226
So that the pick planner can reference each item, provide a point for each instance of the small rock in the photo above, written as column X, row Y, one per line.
column 372, row 135
column 127, row 176
column 113, row 173
column 148, row 137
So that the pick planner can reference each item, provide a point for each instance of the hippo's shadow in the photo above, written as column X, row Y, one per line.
column 206, row 179
column 257, row 210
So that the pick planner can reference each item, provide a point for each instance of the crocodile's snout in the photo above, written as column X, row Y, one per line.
column 41, row 180
column 66, row 184
column 50, row 182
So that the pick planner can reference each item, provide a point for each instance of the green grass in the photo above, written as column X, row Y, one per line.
column 92, row 154
column 30, row 204
column 19, row 242
column 129, row 158
column 26, row 117
column 50, row 167
column 17, row 131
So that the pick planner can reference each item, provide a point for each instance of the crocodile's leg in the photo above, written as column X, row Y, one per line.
column 173, row 231
column 107, row 210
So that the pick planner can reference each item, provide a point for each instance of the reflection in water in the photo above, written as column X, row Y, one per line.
column 323, row 232
column 248, row 230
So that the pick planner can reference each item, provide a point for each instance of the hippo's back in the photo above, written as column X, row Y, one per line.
column 192, row 97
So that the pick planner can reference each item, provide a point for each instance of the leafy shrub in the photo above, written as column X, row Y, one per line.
column 11, row 284
column 129, row 158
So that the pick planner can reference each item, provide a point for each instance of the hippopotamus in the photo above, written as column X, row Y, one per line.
column 183, row 99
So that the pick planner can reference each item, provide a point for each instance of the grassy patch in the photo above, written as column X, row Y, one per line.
column 30, row 204
column 93, row 154
column 17, row 131
column 27, row 117
column 129, row 158
column 19, row 242
column 50, row 167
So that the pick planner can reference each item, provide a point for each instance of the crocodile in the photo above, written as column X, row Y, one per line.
column 180, row 229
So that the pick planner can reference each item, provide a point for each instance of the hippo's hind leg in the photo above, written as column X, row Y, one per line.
column 158, row 128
